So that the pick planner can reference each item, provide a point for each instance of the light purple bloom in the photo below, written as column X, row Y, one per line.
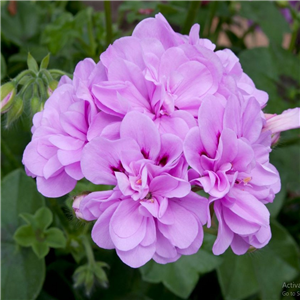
column 160, row 112
column 229, row 155
column 161, row 228
column 145, row 220
column 60, row 133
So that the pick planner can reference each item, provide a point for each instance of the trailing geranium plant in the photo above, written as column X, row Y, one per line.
column 160, row 117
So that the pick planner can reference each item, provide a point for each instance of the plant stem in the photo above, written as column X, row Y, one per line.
column 210, row 230
column 294, row 35
column 62, row 218
column 214, row 6
column 88, row 250
column 190, row 18
column 8, row 153
column 91, row 35
column 59, row 72
column 22, row 74
column 108, row 22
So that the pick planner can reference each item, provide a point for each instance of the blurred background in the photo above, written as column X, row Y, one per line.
column 266, row 38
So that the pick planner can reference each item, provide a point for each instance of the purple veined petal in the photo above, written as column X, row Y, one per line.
column 163, row 260
column 194, row 34
column 261, row 238
column 196, row 244
column 152, row 206
column 101, row 123
column 90, row 206
column 173, row 125
column 56, row 186
column 249, row 208
column 184, row 230
column 64, row 80
column 123, row 184
column 198, row 80
column 239, row 246
column 159, row 29
column 169, row 186
column 225, row 235
column 228, row 147
column 66, row 142
column 169, row 65
column 141, row 129
column 264, row 175
column 164, row 247
column 170, row 151
column 132, row 156
column 52, row 166
column 195, row 204
column 193, row 148
column 233, row 115
column 122, row 70
column 238, row 224
column 230, row 63
column 66, row 157
column 252, row 121
column 244, row 157
column 186, row 116
column 33, row 161
column 100, row 231
column 150, row 236
column 46, row 149
column 137, row 256
column 118, row 97
column 127, row 48
column 74, row 124
column 74, row 170
column 247, row 87
column 82, row 71
column 101, row 159
column 127, row 227
column 210, row 123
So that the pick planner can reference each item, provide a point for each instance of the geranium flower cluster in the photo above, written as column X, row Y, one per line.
column 160, row 116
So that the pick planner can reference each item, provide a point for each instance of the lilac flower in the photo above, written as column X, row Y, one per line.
column 143, row 216
column 60, row 133
column 157, row 104
column 229, row 155
column 161, row 228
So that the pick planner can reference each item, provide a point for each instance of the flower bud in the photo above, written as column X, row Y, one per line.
column 282, row 3
column 36, row 105
column 8, row 92
column 15, row 111
column 76, row 205
column 51, row 87
column 289, row 119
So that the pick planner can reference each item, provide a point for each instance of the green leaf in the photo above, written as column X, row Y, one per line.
column 31, row 63
column 23, row 26
column 263, row 271
column 3, row 67
column 25, row 236
column 276, row 71
column 272, row 23
column 55, row 238
column 275, row 206
column 22, row 273
column 43, row 218
column 45, row 62
column 40, row 249
column 182, row 276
